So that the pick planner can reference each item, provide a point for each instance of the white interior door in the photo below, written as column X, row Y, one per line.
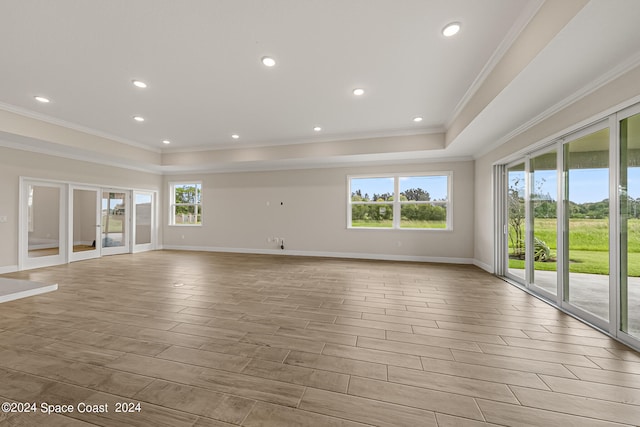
column 84, row 229
column 144, row 224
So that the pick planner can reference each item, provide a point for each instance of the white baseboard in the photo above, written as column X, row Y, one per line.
column 355, row 255
column 484, row 266
column 8, row 269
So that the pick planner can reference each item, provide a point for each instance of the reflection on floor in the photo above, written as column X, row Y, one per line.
column 37, row 253
column 262, row 340
column 590, row 292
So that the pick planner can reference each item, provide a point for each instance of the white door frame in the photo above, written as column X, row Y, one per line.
column 24, row 261
column 126, row 223
column 154, row 224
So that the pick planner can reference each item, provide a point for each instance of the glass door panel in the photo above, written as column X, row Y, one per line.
column 114, row 222
column 143, row 220
column 516, row 223
column 85, row 226
column 586, row 208
column 42, row 224
column 630, row 225
column 544, row 198
column 44, row 220
column 43, row 212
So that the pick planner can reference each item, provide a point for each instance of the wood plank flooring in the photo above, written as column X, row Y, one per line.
column 205, row 339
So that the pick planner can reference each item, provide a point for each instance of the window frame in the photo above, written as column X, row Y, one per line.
column 397, row 204
column 173, row 204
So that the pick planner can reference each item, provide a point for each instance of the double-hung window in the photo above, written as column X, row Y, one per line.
column 186, row 203
column 394, row 201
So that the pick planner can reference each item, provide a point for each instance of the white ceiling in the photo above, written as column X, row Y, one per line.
column 201, row 60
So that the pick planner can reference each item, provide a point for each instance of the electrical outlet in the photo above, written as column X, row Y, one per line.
column 3, row 218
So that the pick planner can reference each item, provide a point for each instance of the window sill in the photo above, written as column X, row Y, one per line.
column 399, row 229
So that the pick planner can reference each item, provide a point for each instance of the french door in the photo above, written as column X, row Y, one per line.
column 65, row 222
column 115, row 217
column 43, row 214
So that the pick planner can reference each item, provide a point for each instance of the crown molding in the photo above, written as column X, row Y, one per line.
column 514, row 32
column 606, row 78
column 74, row 126
column 74, row 154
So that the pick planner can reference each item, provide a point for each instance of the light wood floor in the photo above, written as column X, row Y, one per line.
column 203, row 339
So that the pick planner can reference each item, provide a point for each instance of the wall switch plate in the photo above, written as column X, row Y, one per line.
column 3, row 218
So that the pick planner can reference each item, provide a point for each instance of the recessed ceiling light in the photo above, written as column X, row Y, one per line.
column 166, row 141
column 317, row 128
column 268, row 61
column 138, row 118
column 451, row 29
column 42, row 99
column 417, row 119
column 358, row 92
column 138, row 83
column 235, row 136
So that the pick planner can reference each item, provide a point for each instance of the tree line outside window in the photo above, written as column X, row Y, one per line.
column 395, row 201
column 186, row 204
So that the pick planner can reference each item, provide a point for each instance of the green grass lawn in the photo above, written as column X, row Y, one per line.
column 375, row 224
column 585, row 262
column 589, row 246
column 403, row 224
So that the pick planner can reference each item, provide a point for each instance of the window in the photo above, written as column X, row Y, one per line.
column 423, row 202
column 186, row 203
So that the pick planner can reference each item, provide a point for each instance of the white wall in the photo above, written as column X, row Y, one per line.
column 241, row 210
column 16, row 163
column 617, row 94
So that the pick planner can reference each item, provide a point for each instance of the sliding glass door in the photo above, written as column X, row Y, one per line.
column 516, row 221
column 586, row 223
column 569, row 223
column 630, row 224
column 543, row 208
